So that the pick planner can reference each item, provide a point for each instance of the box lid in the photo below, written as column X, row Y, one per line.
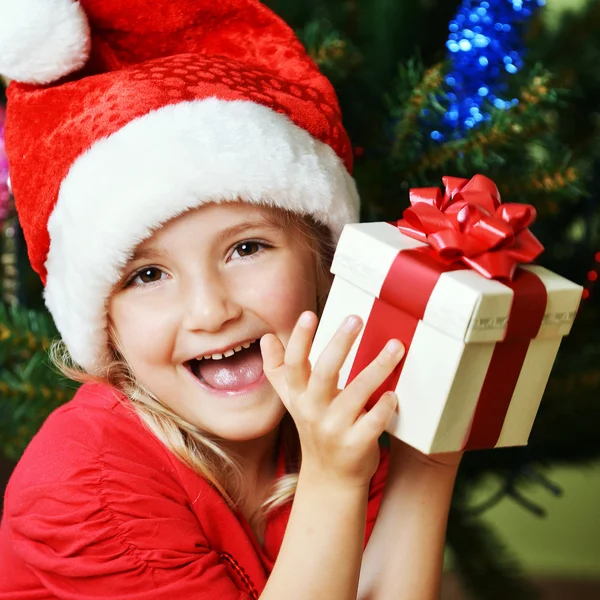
column 464, row 304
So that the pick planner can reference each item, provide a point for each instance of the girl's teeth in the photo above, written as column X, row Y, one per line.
column 228, row 353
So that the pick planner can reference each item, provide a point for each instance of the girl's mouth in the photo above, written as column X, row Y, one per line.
column 232, row 373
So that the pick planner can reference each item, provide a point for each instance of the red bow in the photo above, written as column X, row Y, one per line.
column 469, row 223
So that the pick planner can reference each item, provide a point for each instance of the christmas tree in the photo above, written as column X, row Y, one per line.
column 428, row 88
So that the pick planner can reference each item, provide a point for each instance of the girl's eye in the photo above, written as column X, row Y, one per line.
column 146, row 275
column 248, row 248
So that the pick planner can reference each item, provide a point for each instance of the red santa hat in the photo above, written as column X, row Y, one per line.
column 123, row 115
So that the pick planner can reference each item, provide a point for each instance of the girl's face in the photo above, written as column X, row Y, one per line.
column 205, row 284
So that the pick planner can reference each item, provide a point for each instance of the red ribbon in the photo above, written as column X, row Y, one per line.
column 524, row 321
column 468, row 223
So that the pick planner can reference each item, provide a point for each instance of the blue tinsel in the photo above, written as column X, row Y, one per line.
column 485, row 44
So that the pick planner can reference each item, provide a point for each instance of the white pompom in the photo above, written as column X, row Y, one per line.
column 42, row 40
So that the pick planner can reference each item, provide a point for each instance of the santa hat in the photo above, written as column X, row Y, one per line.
column 123, row 115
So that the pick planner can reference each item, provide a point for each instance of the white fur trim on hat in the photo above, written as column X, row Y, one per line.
column 160, row 165
column 42, row 40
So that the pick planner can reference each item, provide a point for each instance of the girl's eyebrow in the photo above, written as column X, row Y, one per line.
column 148, row 254
column 235, row 230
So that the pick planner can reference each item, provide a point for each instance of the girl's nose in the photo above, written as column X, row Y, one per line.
column 209, row 306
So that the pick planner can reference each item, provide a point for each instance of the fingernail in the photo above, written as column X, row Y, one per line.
column 306, row 319
column 395, row 348
column 351, row 323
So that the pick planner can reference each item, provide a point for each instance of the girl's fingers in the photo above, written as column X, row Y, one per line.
column 325, row 374
column 351, row 402
column 288, row 369
column 373, row 423
column 273, row 354
column 297, row 365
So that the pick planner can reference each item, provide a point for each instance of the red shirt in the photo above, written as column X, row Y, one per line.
column 98, row 508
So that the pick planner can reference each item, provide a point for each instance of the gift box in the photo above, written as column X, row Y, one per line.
column 481, row 327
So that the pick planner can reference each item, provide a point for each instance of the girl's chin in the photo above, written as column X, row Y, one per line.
column 239, row 417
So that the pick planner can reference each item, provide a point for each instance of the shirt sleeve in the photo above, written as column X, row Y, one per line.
column 94, row 523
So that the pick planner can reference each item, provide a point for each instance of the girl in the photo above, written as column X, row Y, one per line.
column 181, row 175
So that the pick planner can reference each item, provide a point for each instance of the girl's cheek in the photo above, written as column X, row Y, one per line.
column 292, row 294
column 142, row 327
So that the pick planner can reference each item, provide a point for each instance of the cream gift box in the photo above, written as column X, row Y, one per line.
column 479, row 351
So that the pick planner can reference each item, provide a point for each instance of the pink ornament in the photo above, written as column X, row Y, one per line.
column 4, row 192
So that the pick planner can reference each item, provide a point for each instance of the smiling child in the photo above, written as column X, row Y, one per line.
column 182, row 175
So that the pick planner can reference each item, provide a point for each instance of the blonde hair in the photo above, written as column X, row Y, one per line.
column 194, row 447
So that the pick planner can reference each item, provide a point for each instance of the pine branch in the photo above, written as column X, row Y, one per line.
column 28, row 394
column 510, row 488
column 335, row 54
column 23, row 332
column 486, row 568
column 415, row 90
column 485, row 145
column 545, row 186
column 29, row 389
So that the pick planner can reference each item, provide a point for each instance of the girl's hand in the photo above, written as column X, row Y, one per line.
column 339, row 438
